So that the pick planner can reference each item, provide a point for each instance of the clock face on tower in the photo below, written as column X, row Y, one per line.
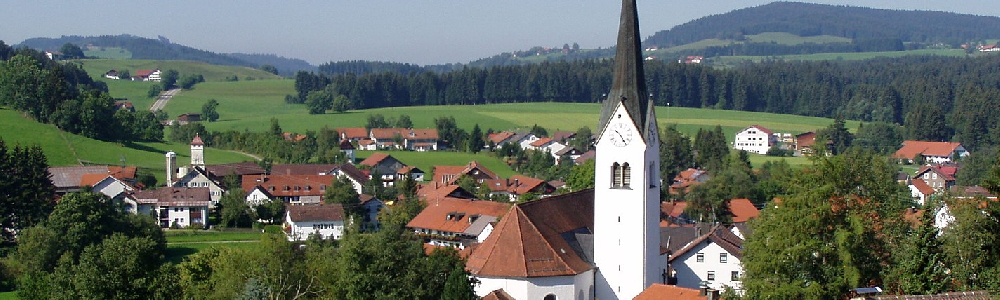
column 621, row 134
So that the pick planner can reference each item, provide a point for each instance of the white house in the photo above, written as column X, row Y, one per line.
column 301, row 221
column 930, row 152
column 175, row 206
column 372, row 207
column 755, row 139
column 713, row 258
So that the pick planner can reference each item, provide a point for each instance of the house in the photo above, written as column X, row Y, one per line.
column 672, row 214
column 920, row 191
column 404, row 138
column 357, row 177
column 177, row 207
column 54, row 55
column 416, row 174
column 659, row 291
column 563, row 136
column 449, row 174
column 240, row 169
column 189, row 117
column 687, row 179
column 943, row 217
column 69, row 179
column 292, row 189
column 456, row 222
column 386, row 166
column 712, row 259
column 583, row 158
column 301, row 221
column 108, row 185
column 434, row 191
column 124, row 105
column 540, row 144
column 691, row 59
column 348, row 149
column 518, row 185
column 524, row 139
column 568, row 152
column 930, row 152
column 147, row 75
column 499, row 138
column 804, row 143
column 353, row 134
column 196, row 176
column 939, row 178
column 742, row 210
column 755, row 139
column 371, row 207
column 367, row 145
column 292, row 137
column 111, row 74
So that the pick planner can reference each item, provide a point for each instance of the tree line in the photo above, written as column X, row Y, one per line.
column 934, row 98
column 64, row 95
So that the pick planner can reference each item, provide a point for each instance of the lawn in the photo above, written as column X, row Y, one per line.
column 177, row 252
column 8, row 296
column 427, row 160
column 196, row 236
column 795, row 162
column 64, row 149
column 134, row 91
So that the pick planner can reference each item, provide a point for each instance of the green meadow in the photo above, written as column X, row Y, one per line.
column 64, row 149
column 108, row 53
column 426, row 161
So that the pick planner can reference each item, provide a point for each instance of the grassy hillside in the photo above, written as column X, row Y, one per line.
column 735, row 60
column 108, row 53
column 427, row 160
column 97, row 67
column 63, row 149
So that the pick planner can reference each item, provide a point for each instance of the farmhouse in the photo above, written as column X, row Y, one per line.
column 293, row 189
column 712, row 259
column 755, row 139
column 450, row 174
column 403, row 138
column 930, row 152
column 70, row 179
column 177, row 207
column 518, row 185
column 147, row 75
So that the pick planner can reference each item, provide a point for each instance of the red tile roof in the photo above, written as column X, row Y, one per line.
column 374, row 159
column 92, row 179
column 673, row 209
column 517, row 184
column 289, row 185
column 435, row 191
column 455, row 215
column 498, row 295
column 239, row 169
column 316, row 213
column 541, row 142
column 143, row 73
column 499, row 137
column 922, row 186
column 760, row 128
column 449, row 174
column 946, row 174
column 528, row 240
column 659, row 291
column 405, row 133
column 176, row 196
column 302, row 169
column 911, row 149
column 742, row 210
column 354, row 133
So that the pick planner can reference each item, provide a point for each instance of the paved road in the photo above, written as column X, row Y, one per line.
column 161, row 101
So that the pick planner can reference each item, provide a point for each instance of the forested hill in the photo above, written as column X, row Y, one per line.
column 856, row 23
column 163, row 49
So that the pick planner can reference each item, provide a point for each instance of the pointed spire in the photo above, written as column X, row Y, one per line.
column 629, row 83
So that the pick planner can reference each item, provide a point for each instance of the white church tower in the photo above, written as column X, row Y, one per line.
column 627, row 183
column 197, row 152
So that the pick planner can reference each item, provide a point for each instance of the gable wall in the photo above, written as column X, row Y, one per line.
column 690, row 272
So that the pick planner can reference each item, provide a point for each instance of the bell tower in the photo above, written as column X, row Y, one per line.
column 626, row 181
column 197, row 152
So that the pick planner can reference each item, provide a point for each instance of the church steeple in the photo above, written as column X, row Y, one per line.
column 629, row 83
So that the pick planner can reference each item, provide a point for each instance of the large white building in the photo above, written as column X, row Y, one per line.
column 711, row 260
column 601, row 243
column 755, row 139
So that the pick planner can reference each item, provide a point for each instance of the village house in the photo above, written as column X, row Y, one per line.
column 405, row 138
column 940, row 178
column 450, row 174
column 107, row 184
column 568, row 152
column 712, row 259
column 659, row 291
column 371, row 207
column 70, row 179
column 804, row 143
column 755, row 139
column 930, row 152
column 195, row 174
column 353, row 134
column 456, row 222
column 499, row 138
column 348, row 149
column 432, row 191
column 292, row 189
column 518, row 185
column 687, row 179
column 176, row 207
column 111, row 74
column 388, row 168
column 147, row 75
column 124, row 105
column 301, row 221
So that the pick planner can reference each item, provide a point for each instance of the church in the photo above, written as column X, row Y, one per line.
column 601, row 243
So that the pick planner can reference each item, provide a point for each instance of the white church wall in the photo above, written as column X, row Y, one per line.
column 577, row 287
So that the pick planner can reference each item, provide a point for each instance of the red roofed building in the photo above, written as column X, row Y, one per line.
column 353, row 134
column 449, row 174
column 662, row 291
column 687, row 179
column 742, row 210
column 147, row 75
column 500, row 138
column 931, row 152
column 518, row 185
column 294, row 189
column 938, row 177
column 412, row 139
column 175, row 206
column 457, row 222
column 920, row 191
column 713, row 258
column 804, row 142
column 672, row 214
column 755, row 139
column 435, row 191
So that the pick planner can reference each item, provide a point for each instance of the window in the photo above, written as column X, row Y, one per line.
column 735, row 276
column 626, row 175
column 700, row 257
column 549, row 297
column 723, row 257
column 711, row 276
column 616, row 176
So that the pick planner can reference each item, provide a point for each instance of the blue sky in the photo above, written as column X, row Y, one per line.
column 413, row 31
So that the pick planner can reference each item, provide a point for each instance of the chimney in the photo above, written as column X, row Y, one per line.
column 713, row 294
